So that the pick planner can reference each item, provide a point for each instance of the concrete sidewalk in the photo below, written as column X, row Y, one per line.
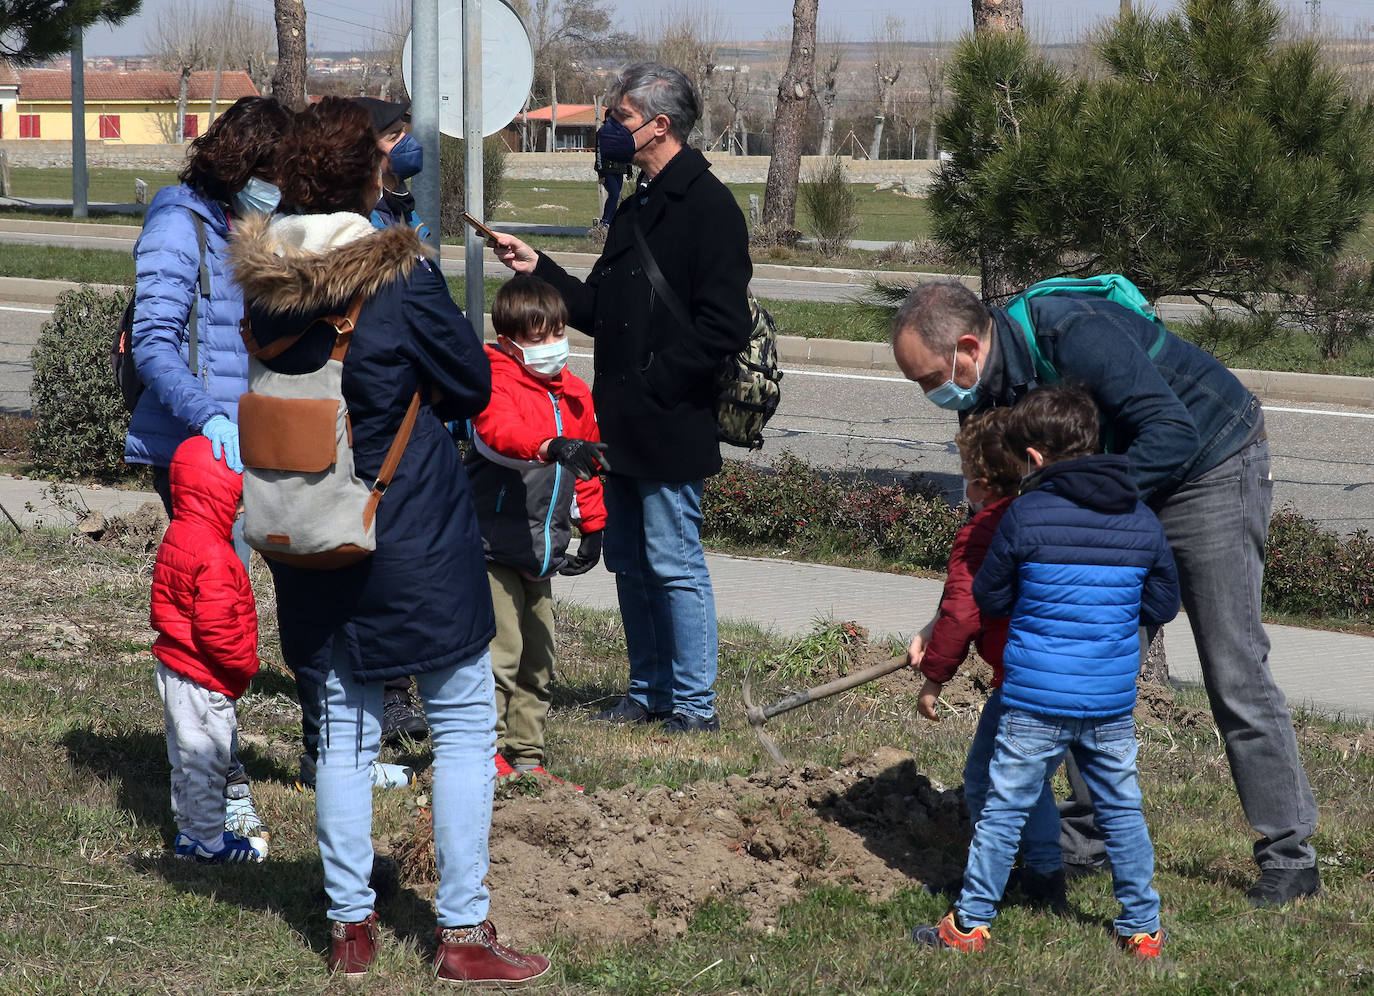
column 1325, row 671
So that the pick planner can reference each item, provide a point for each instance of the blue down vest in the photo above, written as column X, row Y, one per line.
column 1078, row 563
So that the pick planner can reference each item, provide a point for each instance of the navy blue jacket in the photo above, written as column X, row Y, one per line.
column 1175, row 416
column 179, row 401
column 1078, row 564
column 421, row 602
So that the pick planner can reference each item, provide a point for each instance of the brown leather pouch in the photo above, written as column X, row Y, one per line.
column 291, row 434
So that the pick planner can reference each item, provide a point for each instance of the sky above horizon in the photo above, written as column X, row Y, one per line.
column 333, row 25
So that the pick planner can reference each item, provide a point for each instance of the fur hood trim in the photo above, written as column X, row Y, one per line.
column 300, row 264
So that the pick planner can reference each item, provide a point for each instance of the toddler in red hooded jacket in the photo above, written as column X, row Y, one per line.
column 206, row 650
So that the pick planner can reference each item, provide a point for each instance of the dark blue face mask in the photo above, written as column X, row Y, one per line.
column 407, row 157
column 615, row 142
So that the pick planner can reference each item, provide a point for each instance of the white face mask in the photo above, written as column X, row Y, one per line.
column 545, row 360
column 973, row 506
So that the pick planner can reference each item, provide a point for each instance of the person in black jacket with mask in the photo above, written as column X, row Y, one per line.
column 655, row 387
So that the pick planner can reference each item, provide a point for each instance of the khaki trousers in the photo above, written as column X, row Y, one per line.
column 521, row 662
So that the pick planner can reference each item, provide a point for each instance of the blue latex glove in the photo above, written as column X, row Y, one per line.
column 224, row 441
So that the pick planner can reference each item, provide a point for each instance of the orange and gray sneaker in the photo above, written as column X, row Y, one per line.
column 949, row 933
column 1142, row 946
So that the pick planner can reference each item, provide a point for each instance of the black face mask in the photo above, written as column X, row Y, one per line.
column 615, row 142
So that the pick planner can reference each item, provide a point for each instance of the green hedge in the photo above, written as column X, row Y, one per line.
column 790, row 507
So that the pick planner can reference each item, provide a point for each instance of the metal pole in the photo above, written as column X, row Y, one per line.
column 80, row 178
column 472, row 158
column 424, row 110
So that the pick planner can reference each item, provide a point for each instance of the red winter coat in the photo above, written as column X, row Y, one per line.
column 960, row 620
column 203, row 606
column 522, row 502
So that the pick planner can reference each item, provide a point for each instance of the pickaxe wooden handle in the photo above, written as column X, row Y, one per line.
column 758, row 715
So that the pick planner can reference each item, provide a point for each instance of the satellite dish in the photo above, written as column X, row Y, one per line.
column 507, row 66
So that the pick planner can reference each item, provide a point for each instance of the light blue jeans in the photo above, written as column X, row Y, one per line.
column 653, row 545
column 461, row 708
column 1040, row 838
column 1027, row 750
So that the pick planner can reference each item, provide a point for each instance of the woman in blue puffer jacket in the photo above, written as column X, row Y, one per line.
column 225, row 178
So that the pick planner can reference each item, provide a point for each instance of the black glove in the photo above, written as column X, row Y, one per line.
column 588, row 554
column 583, row 457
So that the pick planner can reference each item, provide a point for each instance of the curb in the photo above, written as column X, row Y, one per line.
column 1330, row 389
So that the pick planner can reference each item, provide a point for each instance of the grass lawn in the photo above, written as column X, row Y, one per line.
column 772, row 887
column 112, row 185
column 884, row 216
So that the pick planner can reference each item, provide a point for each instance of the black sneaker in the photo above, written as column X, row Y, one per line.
column 683, row 722
column 1280, row 886
column 1085, row 869
column 626, row 712
column 401, row 718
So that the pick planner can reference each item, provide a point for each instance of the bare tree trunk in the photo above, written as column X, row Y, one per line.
column 288, row 82
column 997, row 15
column 525, row 125
column 181, row 103
column 707, row 135
column 827, row 128
column 930, row 140
column 553, row 113
column 795, row 89
column 876, row 149
column 1125, row 8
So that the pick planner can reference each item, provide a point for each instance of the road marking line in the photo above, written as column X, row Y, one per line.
column 28, row 311
column 1318, row 411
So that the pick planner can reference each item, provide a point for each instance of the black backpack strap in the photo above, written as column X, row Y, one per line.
column 202, row 290
column 657, row 279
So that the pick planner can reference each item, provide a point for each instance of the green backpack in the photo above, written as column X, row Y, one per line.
column 747, row 388
column 1111, row 286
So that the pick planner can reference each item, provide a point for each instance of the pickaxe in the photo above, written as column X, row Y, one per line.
column 758, row 715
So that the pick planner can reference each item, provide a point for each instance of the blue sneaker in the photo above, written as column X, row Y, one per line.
column 233, row 850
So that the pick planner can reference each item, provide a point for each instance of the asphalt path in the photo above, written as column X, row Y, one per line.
column 880, row 424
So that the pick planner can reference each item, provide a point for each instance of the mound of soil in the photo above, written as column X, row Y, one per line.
column 141, row 530
column 630, row 863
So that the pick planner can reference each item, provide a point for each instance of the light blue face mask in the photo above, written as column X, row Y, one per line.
column 257, row 195
column 950, row 395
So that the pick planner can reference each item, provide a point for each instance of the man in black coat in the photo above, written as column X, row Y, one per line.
column 654, row 389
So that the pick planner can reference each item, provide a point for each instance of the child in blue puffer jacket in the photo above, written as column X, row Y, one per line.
column 1078, row 563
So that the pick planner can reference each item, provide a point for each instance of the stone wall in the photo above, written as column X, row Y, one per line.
column 915, row 173
column 99, row 155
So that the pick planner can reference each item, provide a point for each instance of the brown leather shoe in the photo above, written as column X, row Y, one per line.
column 471, row 954
column 354, row 947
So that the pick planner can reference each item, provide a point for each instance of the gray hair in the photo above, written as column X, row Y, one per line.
column 654, row 89
column 940, row 312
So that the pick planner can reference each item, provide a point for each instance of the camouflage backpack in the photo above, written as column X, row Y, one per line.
column 747, row 386
column 747, row 389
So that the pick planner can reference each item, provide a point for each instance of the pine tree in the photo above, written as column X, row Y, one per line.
column 1209, row 160
column 34, row 30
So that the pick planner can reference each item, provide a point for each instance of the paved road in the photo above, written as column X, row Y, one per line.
column 1323, row 455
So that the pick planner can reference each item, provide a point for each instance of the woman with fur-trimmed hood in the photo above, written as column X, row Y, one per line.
column 420, row 605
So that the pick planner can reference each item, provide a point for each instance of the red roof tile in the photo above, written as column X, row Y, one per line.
column 8, row 77
column 567, row 114
column 56, row 84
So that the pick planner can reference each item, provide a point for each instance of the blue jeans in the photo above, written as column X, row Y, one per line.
column 460, row 704
column 1217, row 527
column 1040, row 838
column 1028, row 749
column 613, row 182
column 653, row 545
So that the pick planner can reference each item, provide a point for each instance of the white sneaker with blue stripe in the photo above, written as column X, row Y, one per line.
column 233, row 849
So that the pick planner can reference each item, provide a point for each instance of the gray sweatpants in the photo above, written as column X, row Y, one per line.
column 202, row 737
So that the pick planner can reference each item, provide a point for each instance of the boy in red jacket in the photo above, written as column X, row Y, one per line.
column 207, row 650
column 992, row 478
column 534, row 450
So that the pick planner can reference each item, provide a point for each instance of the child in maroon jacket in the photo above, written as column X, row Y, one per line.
column 206, row 650
column 992, row 477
